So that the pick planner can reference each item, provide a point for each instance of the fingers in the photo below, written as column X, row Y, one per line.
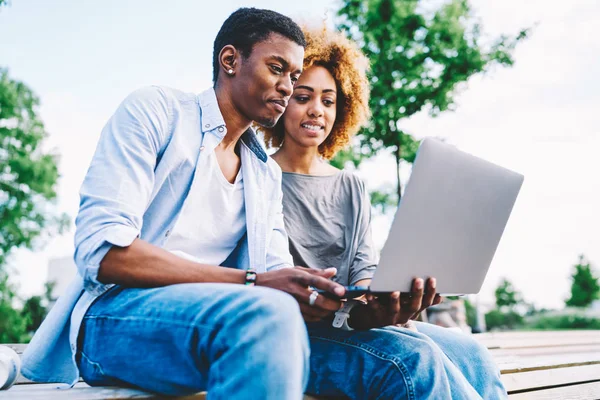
column 314, row 279
column 410, row 303
column 325, row 273
column 312, row 314
column 394, row 304
column 429, row 293
column 322, row 302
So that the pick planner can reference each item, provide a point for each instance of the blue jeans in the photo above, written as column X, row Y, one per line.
column 397, row 363
column 235, row 341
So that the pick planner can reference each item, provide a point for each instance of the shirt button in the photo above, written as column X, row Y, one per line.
column 201, row 148
column 167, row 233
column 221, row 129
column 73, row 347
column 207, row 126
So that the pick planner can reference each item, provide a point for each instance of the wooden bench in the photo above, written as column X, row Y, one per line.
column 534, row 365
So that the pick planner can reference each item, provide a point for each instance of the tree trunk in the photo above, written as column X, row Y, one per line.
column 398, row 158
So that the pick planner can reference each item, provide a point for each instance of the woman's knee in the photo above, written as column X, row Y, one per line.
column 415, row 365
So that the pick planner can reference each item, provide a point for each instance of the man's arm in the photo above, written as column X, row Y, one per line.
column 142, row 264
column 119, row 182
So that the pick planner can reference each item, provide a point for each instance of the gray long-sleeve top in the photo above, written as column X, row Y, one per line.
column 328, row 221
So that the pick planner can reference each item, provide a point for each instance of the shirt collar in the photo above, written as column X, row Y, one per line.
column 212, row 118
column 249, row 138
column 211, row 115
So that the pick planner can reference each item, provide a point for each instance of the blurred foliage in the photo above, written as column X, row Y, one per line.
column 507, row 297
column 510, row 308
column 18, row 324
column 564, row 322
column 585, row 288
column 28, row 175
column 35, row 308
column 471, row 312
column 512, row 312
column 503, row 320
column 28, row 178
column 419, row 58
column 13, row 326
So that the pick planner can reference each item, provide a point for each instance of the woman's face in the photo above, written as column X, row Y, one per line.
column 311, row 111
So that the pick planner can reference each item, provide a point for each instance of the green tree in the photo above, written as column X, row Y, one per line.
column 36, row 308
column 28, row 176
column 507, row 297
column 497, row 319
column 419, row 57
column 28, row 179
column 471, row 312
column 13, row 327
column 585, row 288
column 507, row 314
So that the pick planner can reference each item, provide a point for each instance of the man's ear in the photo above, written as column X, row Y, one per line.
column 228, row 60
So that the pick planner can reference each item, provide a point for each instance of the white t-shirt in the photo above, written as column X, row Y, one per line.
column 213, row 216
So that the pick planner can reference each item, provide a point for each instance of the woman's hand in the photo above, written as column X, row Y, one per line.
column 396, row 308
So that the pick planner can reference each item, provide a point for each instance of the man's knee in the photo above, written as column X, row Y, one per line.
column 273, row 306
column 274, row 331
column 270, row 315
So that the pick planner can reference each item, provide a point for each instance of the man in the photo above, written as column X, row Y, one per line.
column 180, row 218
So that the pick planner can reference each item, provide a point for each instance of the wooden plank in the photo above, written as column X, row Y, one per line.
column 547, row 378
column 588, row 391
column 538, row 334
column 508, row 340
column 18, row 347
column 82, row 391
column 592, row 349
column 514, row 364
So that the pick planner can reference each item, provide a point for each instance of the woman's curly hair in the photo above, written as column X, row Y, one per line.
column 348, row 66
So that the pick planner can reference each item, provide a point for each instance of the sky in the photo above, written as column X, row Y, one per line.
column 540, row 117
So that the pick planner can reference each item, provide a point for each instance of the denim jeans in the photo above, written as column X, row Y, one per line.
column 235, row 341
column 397, row 363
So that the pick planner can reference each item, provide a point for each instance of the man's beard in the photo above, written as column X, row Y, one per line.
column 267, row 122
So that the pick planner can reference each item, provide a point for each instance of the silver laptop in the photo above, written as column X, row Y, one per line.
column 449, row 221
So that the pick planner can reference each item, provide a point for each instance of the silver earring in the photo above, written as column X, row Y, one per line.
column 230, row 71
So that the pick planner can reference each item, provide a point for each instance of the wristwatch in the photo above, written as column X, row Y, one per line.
column 250, row 279
column 340, row 320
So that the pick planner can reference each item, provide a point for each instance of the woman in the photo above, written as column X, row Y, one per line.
column 327, row 217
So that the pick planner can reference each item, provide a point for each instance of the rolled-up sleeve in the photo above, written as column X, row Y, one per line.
column 365, row 260
column 118, row 185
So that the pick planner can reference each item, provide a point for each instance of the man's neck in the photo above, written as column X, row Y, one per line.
column 235, row 122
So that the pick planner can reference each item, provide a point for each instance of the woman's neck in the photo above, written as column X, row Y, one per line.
column 302, row 160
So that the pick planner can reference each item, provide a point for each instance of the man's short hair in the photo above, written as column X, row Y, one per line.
column 248, row 26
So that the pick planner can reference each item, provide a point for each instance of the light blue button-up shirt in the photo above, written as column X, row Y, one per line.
column 135, row 187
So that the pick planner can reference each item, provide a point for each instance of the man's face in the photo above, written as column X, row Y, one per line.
column 265, row 81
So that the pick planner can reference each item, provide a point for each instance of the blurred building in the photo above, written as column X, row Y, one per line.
column 61, row 271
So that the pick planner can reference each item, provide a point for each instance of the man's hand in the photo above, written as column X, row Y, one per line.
column 298, row 281
column 396, row 308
